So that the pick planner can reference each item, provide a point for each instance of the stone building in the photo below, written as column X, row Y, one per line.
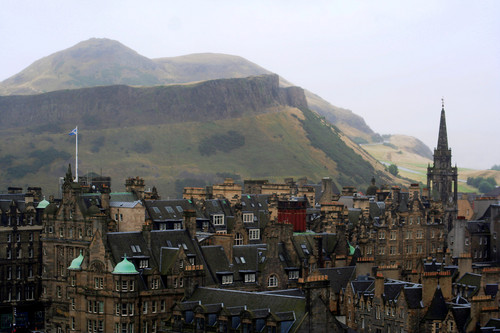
column 21, row 259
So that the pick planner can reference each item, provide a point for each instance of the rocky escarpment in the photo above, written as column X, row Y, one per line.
column 115, row 106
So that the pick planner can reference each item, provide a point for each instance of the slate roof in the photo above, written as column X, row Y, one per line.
column 170, row 210
column 304, row 244
column 15, row 198
column 363, row 284
column 216, row 258
column 392, row 290
column 339, row 277
column 471, row 282
column 252, row 301
column 494, row 322
column 438, row 308
column 477, row 227
column 461, row 314
column 491, row 289
column 164, row 244
column 413, row 296
column 377, row 208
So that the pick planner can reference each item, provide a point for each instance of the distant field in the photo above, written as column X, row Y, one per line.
column 414, row 166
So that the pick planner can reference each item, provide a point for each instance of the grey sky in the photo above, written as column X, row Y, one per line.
column 388, row 61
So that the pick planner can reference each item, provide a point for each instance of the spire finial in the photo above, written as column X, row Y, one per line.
column 442, row 102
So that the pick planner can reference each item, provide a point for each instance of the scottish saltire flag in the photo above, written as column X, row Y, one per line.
column 74, row 132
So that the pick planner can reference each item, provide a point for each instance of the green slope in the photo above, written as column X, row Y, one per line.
column 276, row 145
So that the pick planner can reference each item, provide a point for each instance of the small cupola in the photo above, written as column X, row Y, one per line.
column 125, row 267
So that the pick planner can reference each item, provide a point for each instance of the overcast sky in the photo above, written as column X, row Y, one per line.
column 390, row 62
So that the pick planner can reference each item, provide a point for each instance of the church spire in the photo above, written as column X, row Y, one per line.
column 443, row 136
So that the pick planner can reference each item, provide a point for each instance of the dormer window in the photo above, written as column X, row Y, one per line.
column 218, row 219
column 144, row 263
column 135, row 248
column 248, row 217
column 249, row 277
column 254, row 234
column 227, row 279
column 293, row 275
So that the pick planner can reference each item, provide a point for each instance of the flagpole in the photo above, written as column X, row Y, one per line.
column 76, row 168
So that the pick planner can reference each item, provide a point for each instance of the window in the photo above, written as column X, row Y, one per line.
column 155, row 283
column 135, row 248
column 98, row 283
column 130, row 309
column 238, row 239
column 466, row 240
column 124, row 309
column 58, row 292
column 293, row 275
column 420, row 234
column 177, row 226
column 393, row 250
column 218, row 219
column 381, row 234
column 18, row 238
column 191, row 260
column 227, row 279
column 254, row 234
column 9, row 253
column 250, row 277
column 248, row 217
column 144, row 263
column 124, row 285
column 153, row 306
column 145, row 307
column 30, row 237
column 9, row 238
column 393, row 235
column 272, row 281
column 162, row 305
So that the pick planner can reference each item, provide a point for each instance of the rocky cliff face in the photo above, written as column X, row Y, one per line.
column 115, row 106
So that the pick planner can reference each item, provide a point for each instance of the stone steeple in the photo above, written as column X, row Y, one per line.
column 442, row 176
column 443, row 136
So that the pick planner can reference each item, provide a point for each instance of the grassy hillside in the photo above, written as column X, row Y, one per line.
column 412, row 160
column 276, row 145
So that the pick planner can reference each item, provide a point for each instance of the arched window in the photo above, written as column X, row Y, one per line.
column 272, row 281
column 238, row 239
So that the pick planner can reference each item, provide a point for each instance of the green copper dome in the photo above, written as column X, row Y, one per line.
column 352, row 249
column 76, row 264
column 42, row 204
column 125, row 267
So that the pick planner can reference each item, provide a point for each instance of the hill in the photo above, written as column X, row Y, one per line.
column 177, row 135
column 103, row 62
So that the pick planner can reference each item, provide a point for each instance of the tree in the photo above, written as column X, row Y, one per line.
column 485, row 187
column 393, row 169
column 496, row 167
